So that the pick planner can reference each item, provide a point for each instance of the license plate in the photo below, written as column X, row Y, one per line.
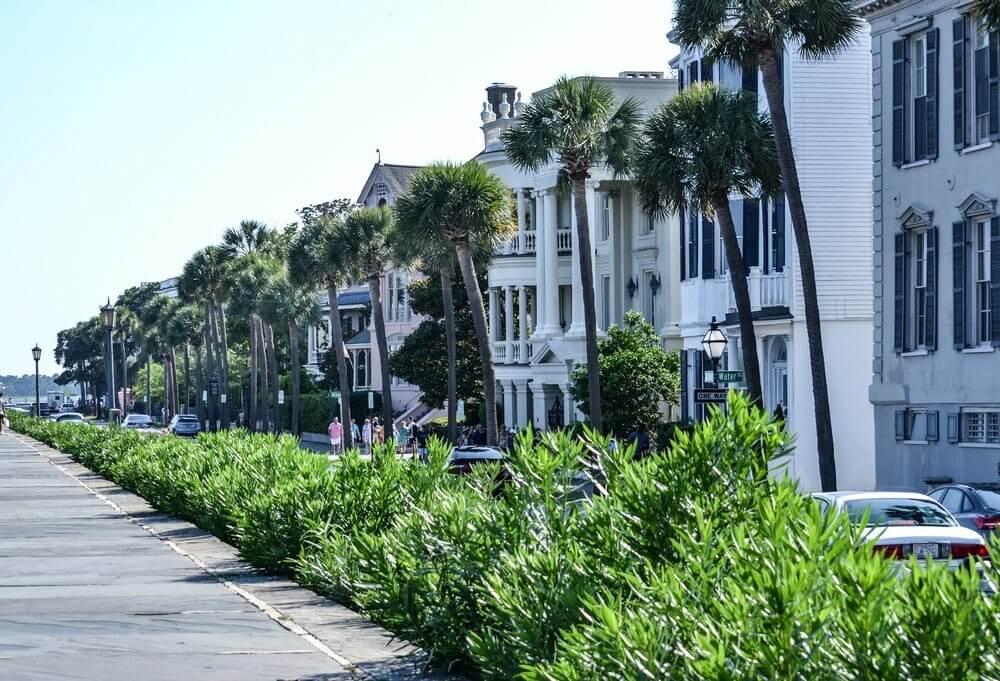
column 925, row 550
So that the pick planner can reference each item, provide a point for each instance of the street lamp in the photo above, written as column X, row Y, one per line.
column 108, row 318
column 714, row 344
column 36, row 352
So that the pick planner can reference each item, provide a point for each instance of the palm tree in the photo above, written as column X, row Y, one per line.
column 317, row 254
column 579, row 125
column 470, row 207
column 758, row 31
column 701, row 147
column 989, row 12
column 368, row 237
column 251, row 274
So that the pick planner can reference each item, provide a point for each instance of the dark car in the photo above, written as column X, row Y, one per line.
column 976, row 506
column 462, row 460
column 184, row 424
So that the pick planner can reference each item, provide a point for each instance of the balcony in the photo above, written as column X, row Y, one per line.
column 513, row 352
column 564, row 240
column 766, row 290
column 521, row 243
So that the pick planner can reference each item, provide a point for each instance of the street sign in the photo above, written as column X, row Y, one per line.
column 204, row 396
column 460, row 411
column 281, row 397
column 222, row 398
column 371, row 400
column 731, row 376
column 710, row 396
column 213, row 387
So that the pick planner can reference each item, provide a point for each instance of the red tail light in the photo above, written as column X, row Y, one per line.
column 987, row 523
column 969, row 551
column 890, row 551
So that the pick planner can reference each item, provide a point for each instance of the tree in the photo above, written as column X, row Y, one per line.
column 637, row 376
column 698, row 149
column 316, row 255
column 368, row 235
column 989, row 12
column 578, row 123
column 758, row 31
column 469, row 206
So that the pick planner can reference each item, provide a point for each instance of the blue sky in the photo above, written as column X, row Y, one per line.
column 132, row 133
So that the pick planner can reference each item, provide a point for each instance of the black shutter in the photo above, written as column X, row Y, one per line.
column 778, row 234
column 995, row 280
column 692, row 73
column 953, row 419
column 699, row 381
column 994, row 96
column 750, row 77
column 685, row 410
column 933, row 40
column 900, row 424
column 764, row 229
column 958, row 79
column 898, row 108
column 751, row 249
column 981, row 83
column 706, row 70
column 683, row 243
column 958, row 282
column 680, row 80
column 693, row 243
column 899, row 314
column 707, row 249
column 932, row 426
column 930, row 301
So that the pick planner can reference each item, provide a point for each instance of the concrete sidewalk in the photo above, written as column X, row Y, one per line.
column 96, row 585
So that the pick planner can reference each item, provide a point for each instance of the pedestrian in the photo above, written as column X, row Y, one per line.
column 421, row 438
column 641, row 440
column 367, row 433
column 336, row 432
column 3, row 414
column 479, row 436
column 355, row 433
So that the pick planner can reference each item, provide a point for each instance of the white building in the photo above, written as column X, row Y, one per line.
column 535, row 298
column 829, row 113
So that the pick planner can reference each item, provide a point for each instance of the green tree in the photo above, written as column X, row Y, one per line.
column 470, row 207
column 637, row 375
column 368, row 236
column 698, row 149
column 758, row 31
column 578, row 123
column 989, row 12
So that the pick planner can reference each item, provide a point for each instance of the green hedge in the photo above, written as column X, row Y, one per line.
column 693, row 564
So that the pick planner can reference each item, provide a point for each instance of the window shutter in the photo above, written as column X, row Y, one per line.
column 899, row 316
column 706, row 70
column 707, row 249
column 680, row 80
column 682, row 241
column 958, row 78
column 751, row 220
column 995, row 281
column 994, row 96
column 932, row 426
column 933, row 40
column 900, row 425
column 750, row 77
column 765, row 243
column 699, row 381
column 898, row 109
column 778, row 234
column 693, row 244
column 958, row 282
column 685, row 410
column 953, row 428
column 692, row 73
column 930, row 302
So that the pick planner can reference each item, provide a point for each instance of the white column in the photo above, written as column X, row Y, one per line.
column 538, row 395
column 494, row 315
column 508, row 403
column 569, row 407
column 508, row 295
column 521, row 221
column 521, row 387
column 576, row 327
column 591, row 197
column 550, row 284
column 522, row 323
column 540, row 248
column 612, row 258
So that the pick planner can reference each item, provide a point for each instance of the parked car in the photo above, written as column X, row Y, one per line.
column 70, row 417
column 139, row 422
column 902, row 524
column 184, row 424
column 976, row 506
column 463, row 459
column 68, row 408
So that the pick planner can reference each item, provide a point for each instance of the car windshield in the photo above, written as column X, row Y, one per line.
column 187, row 419
column 892, row 512
column 138, row 419
column 990, row 497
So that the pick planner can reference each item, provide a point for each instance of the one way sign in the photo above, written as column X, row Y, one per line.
column 710, row 396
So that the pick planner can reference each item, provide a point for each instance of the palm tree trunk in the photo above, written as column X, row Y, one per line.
column 807, row 271
column 209, row 364
column 224, row 354
column 449, row 331
column 215, row 400
column 124, row 381
column 187, row 377
column 741, row 291
column 252, row 411
column 199, row 387
column 262, row 399
column 482, row 337
column 167, row 387
column 375, row 290
column 149, row 384
column 293, row 343
column 589, row 306
column 272, row 365
column 337, row 331
column 173, row 382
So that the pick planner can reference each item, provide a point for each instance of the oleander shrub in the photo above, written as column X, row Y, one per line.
column 696, row 562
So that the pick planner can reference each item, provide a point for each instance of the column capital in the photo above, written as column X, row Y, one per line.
column 521, row 384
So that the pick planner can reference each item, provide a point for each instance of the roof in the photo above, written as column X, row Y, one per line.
column 395, row 176
column 361, row 338
column 353, row 298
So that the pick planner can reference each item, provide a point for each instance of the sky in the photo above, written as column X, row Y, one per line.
column 133, row 133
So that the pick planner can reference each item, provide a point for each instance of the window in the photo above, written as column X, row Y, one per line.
column 918, row 291
column 920, row 67
column 650, row 225
column 647, row 296
column 980, row 83
column 915, row 97
column 360, row 360
column 980, row 281
column 605, row 301
column 605, row 216
column 399, row 297
column 981, row 426
column 722, row 258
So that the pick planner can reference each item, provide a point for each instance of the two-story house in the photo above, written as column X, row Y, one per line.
column 936, row 118
column 829, row 116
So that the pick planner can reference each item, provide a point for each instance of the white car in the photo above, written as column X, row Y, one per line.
column 904, row 524
column 138, row 422
column 68, row 417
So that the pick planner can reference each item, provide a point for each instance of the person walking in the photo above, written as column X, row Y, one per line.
column 421, row 441
column 336, row 432
column 367, row 435
column 355, row 432
column 3, row 414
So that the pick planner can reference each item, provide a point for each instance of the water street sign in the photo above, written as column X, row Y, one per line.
column 731, row 376
column 710, row 396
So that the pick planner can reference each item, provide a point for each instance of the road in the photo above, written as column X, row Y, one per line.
column 91, row 591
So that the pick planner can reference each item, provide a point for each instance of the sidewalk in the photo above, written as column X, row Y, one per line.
column 96, row 585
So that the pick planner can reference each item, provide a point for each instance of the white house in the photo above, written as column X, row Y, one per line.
column 535, row 298
column 829, row 111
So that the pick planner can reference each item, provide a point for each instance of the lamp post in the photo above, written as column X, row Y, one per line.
column 654, row 286
column 714, row 344
column 108, row 318
column 36, row 353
